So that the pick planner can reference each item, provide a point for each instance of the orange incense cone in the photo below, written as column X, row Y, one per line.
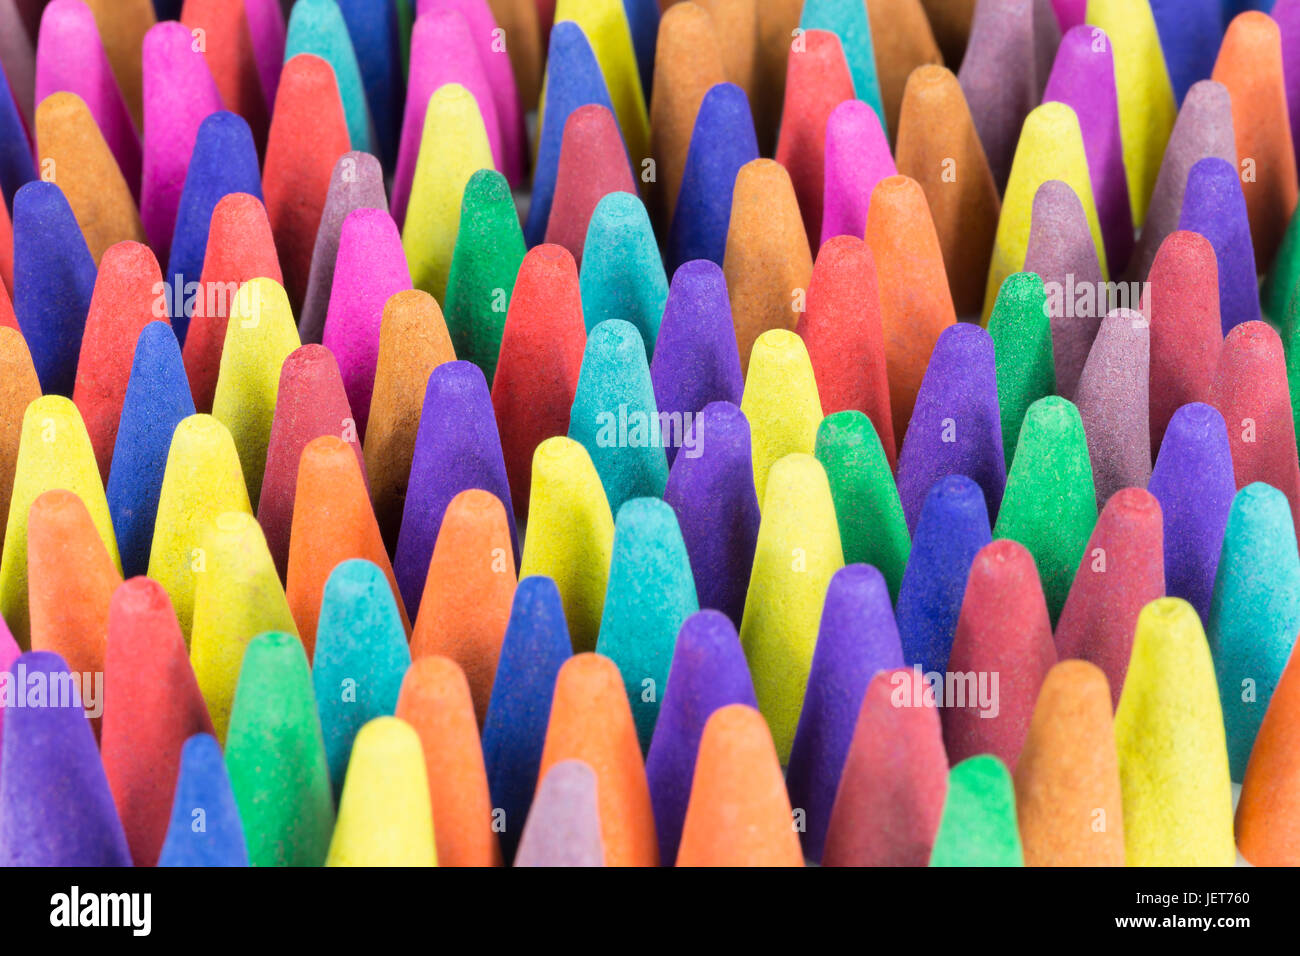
column 1268, row 814
column 125, row 300
column 469, row 590
column 737, row 21
column 1250, row 66
column 687, row 64
column 901, row 36
column 591, row 721
column 915, row 302
column 413, row 341
column 776, row 21
column 939, row 148
column 70, row 582
column 520, row 20
column 19, row 387
column 950, row 22
column 332, row 522
column 435, row 700
column 73, row 155
column 768, row 261
column 739, row 813
column 122, row 25
column 1067, row 778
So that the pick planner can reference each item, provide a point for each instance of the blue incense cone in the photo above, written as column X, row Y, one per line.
column 224, row 161
column 954, row 525
column 1254, row 614
column 360, row 659
column 956, row 426
column 375, row 42
column 614, row 416
column 643, row 19
column 622, row 274
column 711, row 488
column 708, row 672
column 847, row 19
column 535, row 647
column 16, row 163
column 1194, row 483
column 55, row 805
column 318, row 27
column 157, row 398
column 457, row 447
column 722, row 141
column 1215, row 206
column 205, row 828
column 696, row 360
column 563, row 827
column 650, row 593
column 573, row 79
column 857, row 637
column 54, row 276
column 1190, row 32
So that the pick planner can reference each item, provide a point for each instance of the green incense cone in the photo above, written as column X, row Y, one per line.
column 276, row 757
column 489, row 251
column 1050, row 505
column 867, row 507
column 1279, row 287
column 978, row 826
column 1022, row 350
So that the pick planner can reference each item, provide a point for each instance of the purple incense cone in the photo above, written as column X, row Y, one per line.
column 370, row 268
column 954, row 525
column 1203, row 128
column 1003, row 73
column 456, row 447
column 1061, row 251
column 55, row 805
column 857, row 157
column 179, row 93
column 857, row 637
column 956, row 426
column 489, row 43
column 70, row 56
column 357, row 183
column 1215, row 206
column 310, row 402
column 1112, row 399
column 563, row 826
column 711, row 488
column 1083, row 78
column 1194, row 483
column 442, row 52
column 696, row 361
column 722, row 141
column 1287, row 15
column 708, row 672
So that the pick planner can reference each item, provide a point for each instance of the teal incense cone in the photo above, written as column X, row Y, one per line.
column 614, row 415
column 360, row 659
column 867, row 507
column 1254, row 612
column 1049, row 505
column 489, row 251
column 622, row 273
column 276, row 758
column 847, row 19
column 978, row 826
column 318, row 27
column 650, row 593
column 1022, row 350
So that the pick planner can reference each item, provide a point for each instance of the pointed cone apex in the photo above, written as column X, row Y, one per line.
column 1067, row 780
column 591, row 721
column 55, row 805
column 1173, row 762
column 978, row 827
column 891, row 791
column 563, row 827
column 144, row 730
column 435, row 700
column 202, row 784
column 384, row 815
